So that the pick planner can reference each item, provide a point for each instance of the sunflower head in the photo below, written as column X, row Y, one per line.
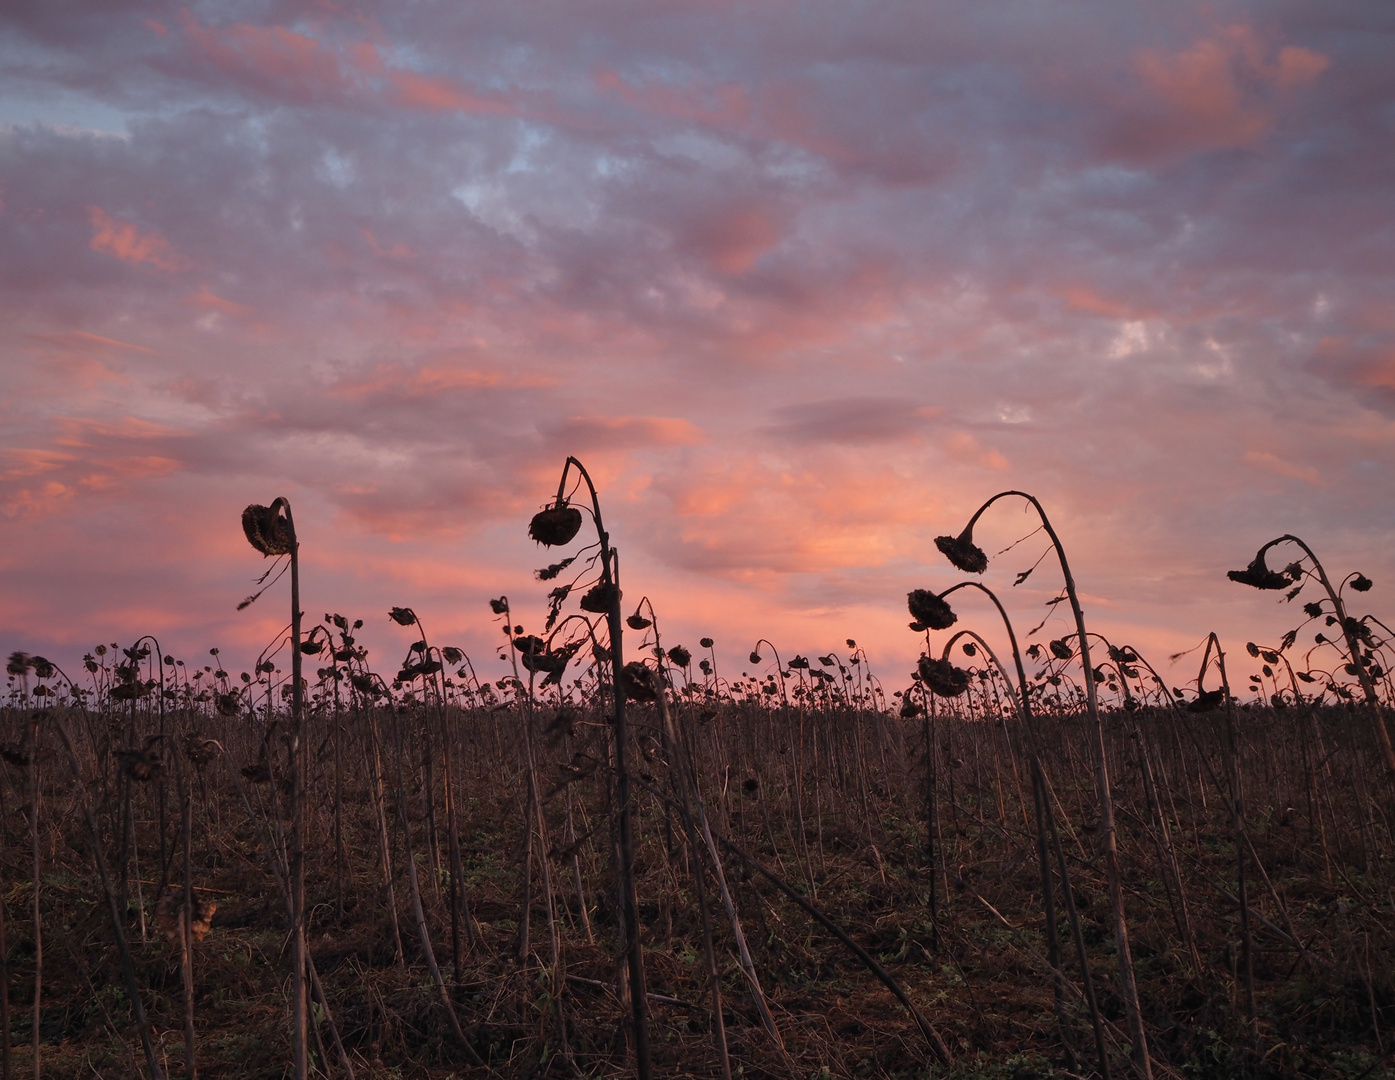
column 1259, row 576
column 930, row 610
column 962, row 552
column 267, row 530
column 942, row 677
column 555, row 525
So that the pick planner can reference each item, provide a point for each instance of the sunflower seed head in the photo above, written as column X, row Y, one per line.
column 1259, row 576
column 637, row 682
column 597, row 599
column 555, row 525
column 962, row 552
column 942, row 677
column 930, row 610
column 267, row 530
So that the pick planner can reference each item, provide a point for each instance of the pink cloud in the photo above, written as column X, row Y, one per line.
column 435, row 93
column 735, row 241
column 1263, row 459
column 1087, row 301
column 82, row 342
column 963, row 447
column 1222, row 91
column 273, row 58
column 302, row 68
column 82, row 458
column 406, row 382
column 611, row 433
column 207, row 301
column 129, row 244
column 801, row 294
column 724, row 105
column 1377, row 371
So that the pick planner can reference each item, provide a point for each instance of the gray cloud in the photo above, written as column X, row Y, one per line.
column 404, row 259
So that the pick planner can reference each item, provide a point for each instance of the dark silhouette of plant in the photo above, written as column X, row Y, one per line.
column 271, row 530
column 1047, row 838
column 553, row 526
column 968, row 557
column 1356, row 634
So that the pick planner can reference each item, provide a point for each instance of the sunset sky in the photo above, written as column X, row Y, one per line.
column 803, row 284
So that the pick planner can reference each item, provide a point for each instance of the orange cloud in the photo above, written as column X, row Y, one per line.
column 734, row 242
column 303, row 68
column 725, row 105
column 396, row 380
column 1222, row 91
column 963, row 447
column 396, row 251
column 84, row 456
column 1083, row 299
column 207, row 301
column 1262, row 459
column 1379, row 371
column 628, row 432
column 82, row 342
column 76, row 359
column 435, row 93
column 273, row 55
column 129, row 244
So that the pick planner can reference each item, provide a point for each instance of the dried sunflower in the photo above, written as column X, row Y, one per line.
column 942, row 677
column 963, row 552
column 637, row 681
column 597, row 599
column 267, row 530
column 199, row 750
column 1259, row 576
column 930, row 610
column 555, row 525
column 145, row 763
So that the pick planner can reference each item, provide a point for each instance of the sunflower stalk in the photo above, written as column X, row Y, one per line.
column 557, row 525
column 968, row 557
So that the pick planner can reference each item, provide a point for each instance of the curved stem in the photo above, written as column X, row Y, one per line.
column 299, row 999
column 1108, row 830
column 779, row 668
column 1046, row 828
column 1353, row 648
column 1237, row 820
column 629, row 900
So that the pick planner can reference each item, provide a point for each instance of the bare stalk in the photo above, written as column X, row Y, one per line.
column 428, row 951
column 1109, row 840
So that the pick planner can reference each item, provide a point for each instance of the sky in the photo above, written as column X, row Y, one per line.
column 801, row 284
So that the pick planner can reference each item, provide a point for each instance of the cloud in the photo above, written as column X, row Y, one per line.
column 129, row 244
column 850, row 420
column 612, row 433
column 1221, row 91
column 800, row 293
column 1263, row 459
column 300, row 68
column 207, row 301
column 963, row 447
column 85, row 459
